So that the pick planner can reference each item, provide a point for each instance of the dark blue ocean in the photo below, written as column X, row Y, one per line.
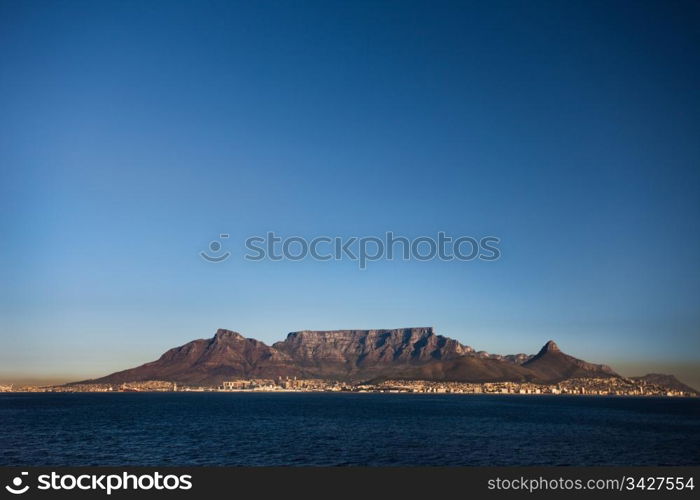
column 345, row 429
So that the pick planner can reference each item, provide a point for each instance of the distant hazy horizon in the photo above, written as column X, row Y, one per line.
column 134, row 134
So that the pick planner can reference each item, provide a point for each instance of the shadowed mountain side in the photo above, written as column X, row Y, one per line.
column 464, row 369
column 551, row 365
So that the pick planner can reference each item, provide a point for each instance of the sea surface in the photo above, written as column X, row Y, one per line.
column 304, row 429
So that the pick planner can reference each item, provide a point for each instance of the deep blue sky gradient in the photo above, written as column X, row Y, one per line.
column 133, row 133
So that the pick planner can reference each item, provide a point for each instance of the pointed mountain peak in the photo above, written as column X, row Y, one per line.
column 550, row 346
column 223, row 334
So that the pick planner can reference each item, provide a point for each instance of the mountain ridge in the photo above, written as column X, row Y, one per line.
column 353, row 355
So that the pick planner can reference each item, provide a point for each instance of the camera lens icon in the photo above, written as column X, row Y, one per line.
column 215, row 247
column 16, row 487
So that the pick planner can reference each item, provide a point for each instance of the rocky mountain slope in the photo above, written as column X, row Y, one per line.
column 225, row 356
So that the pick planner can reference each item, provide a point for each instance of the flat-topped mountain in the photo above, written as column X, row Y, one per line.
column 353, row 355
column 364, row 348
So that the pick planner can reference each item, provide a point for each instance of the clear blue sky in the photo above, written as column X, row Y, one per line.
column 133, row 133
